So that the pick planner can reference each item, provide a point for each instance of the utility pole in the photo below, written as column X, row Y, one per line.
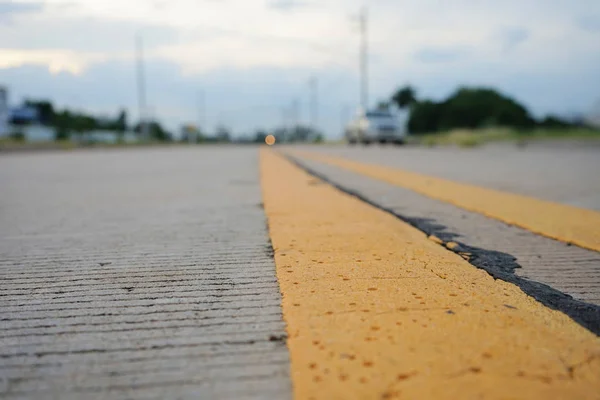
column 192, row 138
column 363, row 60
column 295, row 113
column 344, row 117
column 201, row 109
column 141, row 80
column 314, row 103
column 284, row 118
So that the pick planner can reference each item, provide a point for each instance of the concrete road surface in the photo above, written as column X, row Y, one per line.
column 138, row 274
column 565, row 174
column 229, row 272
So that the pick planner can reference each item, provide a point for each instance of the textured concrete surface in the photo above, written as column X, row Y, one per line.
column 375, row 310
column 501, row 249
column 138, row 274
column 565, row 174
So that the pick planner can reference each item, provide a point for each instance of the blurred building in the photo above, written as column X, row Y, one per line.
column 24, row 115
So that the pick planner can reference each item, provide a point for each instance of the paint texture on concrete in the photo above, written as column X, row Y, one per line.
column 144, row 274
column 563, row 277
column 376, row 310
column 558, row 221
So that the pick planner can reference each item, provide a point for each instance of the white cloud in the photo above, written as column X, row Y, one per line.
column 55, row 60
column 208, row 34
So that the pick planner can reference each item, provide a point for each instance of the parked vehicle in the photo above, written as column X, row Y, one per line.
column 375, row 126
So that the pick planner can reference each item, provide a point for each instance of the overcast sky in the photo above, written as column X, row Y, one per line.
column 252, row 58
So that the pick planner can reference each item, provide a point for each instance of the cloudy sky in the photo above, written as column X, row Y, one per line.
column 252, row 58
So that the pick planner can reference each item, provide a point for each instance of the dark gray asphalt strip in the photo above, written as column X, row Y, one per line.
column 561, row 277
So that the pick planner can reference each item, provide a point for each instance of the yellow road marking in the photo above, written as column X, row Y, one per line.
column 376, row 310
column 558, row 221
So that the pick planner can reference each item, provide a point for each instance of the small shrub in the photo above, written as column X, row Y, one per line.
column 430, row 141
column 468, row 141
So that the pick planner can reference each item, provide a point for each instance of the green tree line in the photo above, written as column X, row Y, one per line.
column 470, row 108
column 67, row 122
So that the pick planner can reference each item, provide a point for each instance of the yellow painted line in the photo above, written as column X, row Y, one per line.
column 557, row 221
column 375, row 310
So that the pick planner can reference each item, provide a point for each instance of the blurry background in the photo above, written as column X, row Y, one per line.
column 238, row 69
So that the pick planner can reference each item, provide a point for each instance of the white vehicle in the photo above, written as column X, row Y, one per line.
column 375, row 126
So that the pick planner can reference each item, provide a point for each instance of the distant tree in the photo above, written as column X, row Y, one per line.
column 66, row 122
column 554, row 122
column 44, row 108
column 383, row 105
column 121, row 122
column 299, row 134
column 62, row 124
column 223, row 134
column 470, row 108
column 155, row 131
column 480, row 107
column 260, row 136
column 61, row 134
column 245, row 139
column 404, row 97
column 81, row 123
column 200, row 136
column 424, row 117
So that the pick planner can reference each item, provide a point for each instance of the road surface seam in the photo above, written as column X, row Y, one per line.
column 557, row 221
column 376, row 310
